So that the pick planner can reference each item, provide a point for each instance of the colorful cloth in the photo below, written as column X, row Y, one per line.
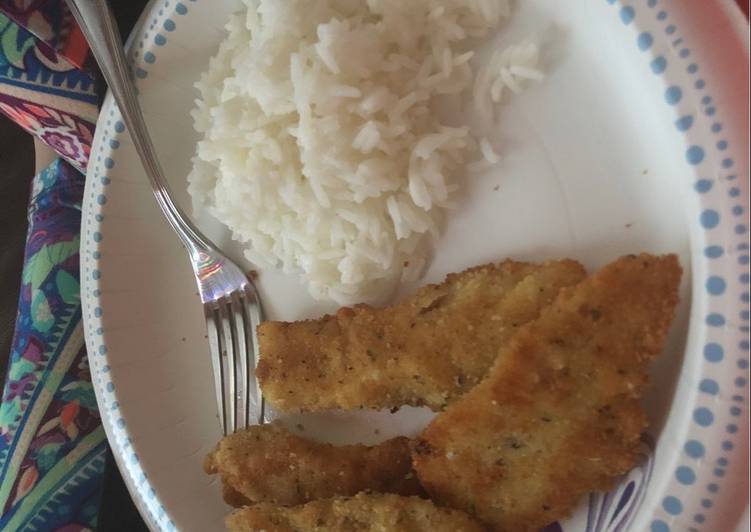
column 41, row 88
column 52, row 23
column 52, row 445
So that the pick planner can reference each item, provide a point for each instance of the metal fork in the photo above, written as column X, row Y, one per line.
column 230, row 300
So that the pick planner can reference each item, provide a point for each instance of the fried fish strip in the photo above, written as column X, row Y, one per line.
column 427, row 350
column 558, row 415
column 363, row 512
column 233, row 497
column 267, row 463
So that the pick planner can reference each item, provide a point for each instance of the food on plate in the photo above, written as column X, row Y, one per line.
column 558, row 415
column 363, row 512
column 233, row 497
column 546, row 408
column 267, row 463
column 426, row 350
column 324, row 148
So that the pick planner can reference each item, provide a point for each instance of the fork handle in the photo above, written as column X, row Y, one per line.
column 98, row 26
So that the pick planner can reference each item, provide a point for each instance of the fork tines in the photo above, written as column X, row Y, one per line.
column 231, row 322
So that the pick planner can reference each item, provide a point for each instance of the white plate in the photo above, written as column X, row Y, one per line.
column 600, row 160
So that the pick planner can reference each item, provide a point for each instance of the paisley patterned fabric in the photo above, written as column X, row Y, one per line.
column 53, row 25
column 40, row 88
column 52, row 445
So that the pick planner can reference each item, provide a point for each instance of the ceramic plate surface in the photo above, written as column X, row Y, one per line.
column 636, row 141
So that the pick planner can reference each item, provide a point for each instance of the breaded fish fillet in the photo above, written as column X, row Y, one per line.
column 558, row 415
column 427, row 350
column 363, row 512
column 267, row 463
column 233, row 497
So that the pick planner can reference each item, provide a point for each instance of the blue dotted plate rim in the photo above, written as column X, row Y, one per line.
column 719, row 326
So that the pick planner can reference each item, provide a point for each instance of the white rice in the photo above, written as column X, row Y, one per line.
column 320, row 149
column 510, row 68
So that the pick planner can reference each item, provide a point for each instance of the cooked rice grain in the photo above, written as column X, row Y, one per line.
column 319, row 148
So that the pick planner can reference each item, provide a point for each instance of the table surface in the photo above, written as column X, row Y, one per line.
column 16, row 172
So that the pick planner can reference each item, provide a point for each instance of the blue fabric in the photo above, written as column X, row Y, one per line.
column 52, row 444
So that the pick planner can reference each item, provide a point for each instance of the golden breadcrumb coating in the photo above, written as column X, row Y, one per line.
column 267, row 463
column 426, row 350
column 558, row 415
column 363, row 512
